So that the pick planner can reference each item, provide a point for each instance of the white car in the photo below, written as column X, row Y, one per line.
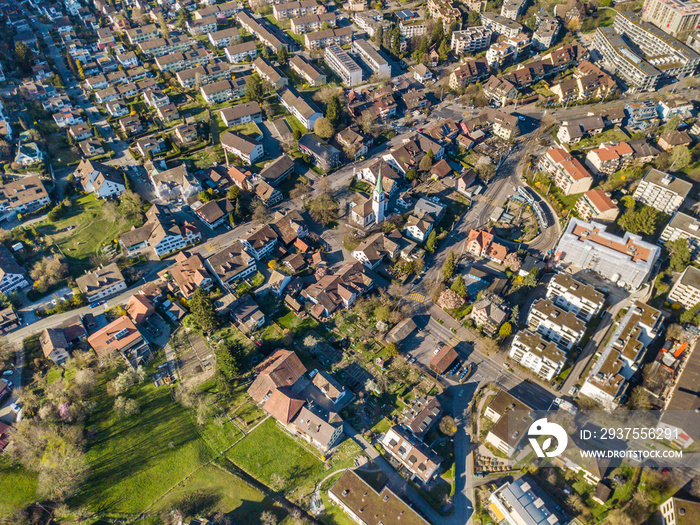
column 16, row 407
column 8, row 373
column 573, row 390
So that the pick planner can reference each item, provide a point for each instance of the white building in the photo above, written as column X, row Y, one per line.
column 574, row 296
column 683, row 226
column 555, row 324
column 12, row 276
column 532, row 351
column 101, row 283
column 342, row 65
column 662, row 191
column 471, row 40
column 686, row 291
column 372, row 57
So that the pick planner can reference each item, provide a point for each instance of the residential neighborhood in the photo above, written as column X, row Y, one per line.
column 345, row 262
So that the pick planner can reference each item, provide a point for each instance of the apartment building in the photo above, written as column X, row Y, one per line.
column 372, row 57
column 609, row 158
column 202, row 26
column 310, row 23
column 307, row 71
column 683, row 226
column 471, row 40
column 555, row 324
column 305, row 112
column 328, row 37
column 165, row 46
column 121, row 337
column 294, row 9
column 596, row 205
column 501, row 25
column 677, row 510
column 621, row 59
column 225, row 37
column 342, row 65
column 231, row 264
column 471, row 71
column 511, row 419
column 574, row 296
column 675, row 17
column 142, row 34
column 270, row 73
column 443, row 10
column 370, row 21
column 161, row 232
column 572, row 131
column 238, row 53
column 247, row 149
column 686, row 291
column 524, row 502
column 498, row 90
column 101, row 283
column 268, row 36
column 241, row 113
column 512, row 9
column 626, row 260
column 178, row 61
column 662, row 191
column 568, row 173
column 532, row 351
column 547, row 30
column 12, row 275
column 413, row 27
column 203, row 75
column 223, row 90
column 414, row 456
column 22, row 196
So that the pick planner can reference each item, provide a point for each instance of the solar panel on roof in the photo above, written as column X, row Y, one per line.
column 122, row 333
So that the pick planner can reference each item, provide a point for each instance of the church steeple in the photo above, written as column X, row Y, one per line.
column 378, row 202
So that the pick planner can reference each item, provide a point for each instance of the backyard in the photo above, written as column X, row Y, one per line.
column 610, row 135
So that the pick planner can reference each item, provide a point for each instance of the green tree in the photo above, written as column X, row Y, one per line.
column 448, row 267
column 431, row 242
column 531, row 279
column 679, row 255
column 647, row 219
column 689, row 314
column 438, row 32
column 505, row 330
column 411, row 175
column 425, row 163
column 233, row 193
column 382, row 313
column 515, row 315
column 396, row 42
column 237, row 210
column 680, row 158
column 229, row 357
column 24, row 58
column 183, row 17
column 333, row 110
column 203, row 312
column 444, row 50
column 459, row 286
column 392, row 349
column 164, row 31
column 323, row 128
column 672, row 123
column 378, row 36
column 324, row 209
column 282, row 56
column 296, row 135
column 253, row 88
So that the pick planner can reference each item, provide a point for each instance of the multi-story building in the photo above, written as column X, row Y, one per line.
column 511, row 419
column 572, row 131
column 260, row 242
column 499, row 91
column 225, row 37
column 662, row 191
column 121, row 337
column 231, row 264
column 568, row 173
column 12, row 276
column 202, row 75
column 532, row 351
column 668, row 109
column 686, row 291
column 372, row 57
column 555, row 324
column 101, row 283
column 626, row 260
column 322, row 154
column 413, row 27
column 524, row 502
column 512, row 9
column 245, row 148
column 675, row 17
column 269, row 72
column 653, row 54
column 471, row 40
column 223, row 90
column 160, row 232
column 239, row 52
column 596, row 205
column 142, row 34
column 165, row 46
column 241, row 114
column 307, row 71
column 178, row 61
column 574, row 296
column 677, row 510
column 342, row 65
column 305, row 112
column 22, row 196
column 501, row 25
column 547, row 30
column 294, row 9
column 270, row 37
column 469, row 72
column 421, row 462
column 683, row 226
column 443, row 10
column 328, row 37
column 609, row 158
column 202, row 26
column 310, row 23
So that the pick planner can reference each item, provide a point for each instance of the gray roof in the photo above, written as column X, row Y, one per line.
column 674, row 184
column 686, row 223
column 318, row 146
column 529, row 501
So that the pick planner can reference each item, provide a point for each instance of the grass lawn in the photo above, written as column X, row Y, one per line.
column 614, row 134
column 333, row 515
column 134, row 460
column 17, row 485
column 220, row 491
column 61, row 152
column 270, row 450
column 249, row 129
column 360, row 186
column 295, row 124
column 296, row 323
column 606, row 17
column 82, row 232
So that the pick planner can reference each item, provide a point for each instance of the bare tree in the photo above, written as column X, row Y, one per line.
column 268, row 518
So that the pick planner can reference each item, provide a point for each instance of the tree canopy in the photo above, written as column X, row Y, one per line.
column 202, row 311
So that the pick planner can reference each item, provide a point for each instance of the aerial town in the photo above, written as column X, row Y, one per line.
column 333, row 262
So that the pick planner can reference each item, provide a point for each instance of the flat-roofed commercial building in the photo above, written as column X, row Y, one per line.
column 626, row 260
column 342, row 65
column 371, row 56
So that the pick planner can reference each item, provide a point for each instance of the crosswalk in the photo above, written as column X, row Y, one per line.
column 418, row 297
column 454, row 341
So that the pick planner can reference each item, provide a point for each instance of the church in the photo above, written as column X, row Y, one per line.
column 366, row 212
